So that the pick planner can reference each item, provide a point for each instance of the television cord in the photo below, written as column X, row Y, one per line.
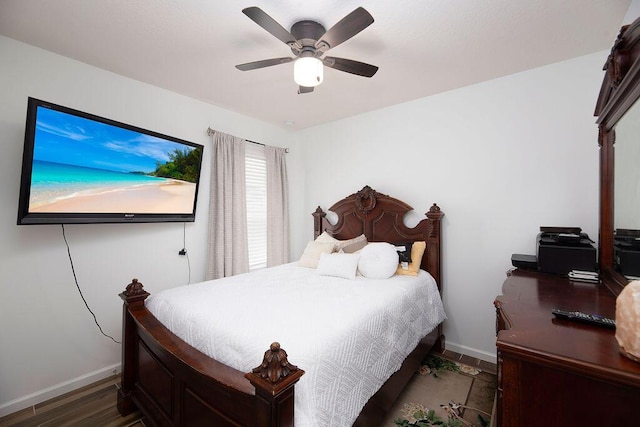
column 184, row 250
column 189, row 269
column 75, row 278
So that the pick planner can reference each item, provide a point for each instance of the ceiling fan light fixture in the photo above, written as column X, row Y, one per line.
column 308, row 71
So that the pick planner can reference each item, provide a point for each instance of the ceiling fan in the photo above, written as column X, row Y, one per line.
column 309, row 41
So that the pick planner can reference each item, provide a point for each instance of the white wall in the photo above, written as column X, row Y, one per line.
column 500, row 158
column 48, row 340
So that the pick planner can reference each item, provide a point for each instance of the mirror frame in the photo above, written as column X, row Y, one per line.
column 619, row 91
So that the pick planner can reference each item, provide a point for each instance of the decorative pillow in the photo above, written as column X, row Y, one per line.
column 378, row 260
column 404, row 254
column 338, row 265
column 417, row 250
column 326, row 238
column 352, row 245
column 312, row 253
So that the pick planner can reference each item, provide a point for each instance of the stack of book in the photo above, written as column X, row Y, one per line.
column 584, row 276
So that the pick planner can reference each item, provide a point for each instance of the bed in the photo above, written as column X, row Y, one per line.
column 176, row 384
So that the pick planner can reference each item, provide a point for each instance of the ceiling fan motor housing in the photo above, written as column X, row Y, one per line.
column 306, row 33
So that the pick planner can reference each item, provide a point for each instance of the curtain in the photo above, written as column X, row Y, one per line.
column 227, row 243
column 277, row 206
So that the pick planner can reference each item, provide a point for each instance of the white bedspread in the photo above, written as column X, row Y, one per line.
column 348, row 335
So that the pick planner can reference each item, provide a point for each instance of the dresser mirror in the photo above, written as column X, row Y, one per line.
column 626, row 193
column 619, row 139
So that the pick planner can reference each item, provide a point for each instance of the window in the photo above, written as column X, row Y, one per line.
column 256, row 183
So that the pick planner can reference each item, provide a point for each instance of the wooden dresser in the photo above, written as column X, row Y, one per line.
column 554, row 372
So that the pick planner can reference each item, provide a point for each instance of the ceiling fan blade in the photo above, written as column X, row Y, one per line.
column 264, row 63
column 304, row 89
column 350, row 66
column 346, row 28
column 260, row 17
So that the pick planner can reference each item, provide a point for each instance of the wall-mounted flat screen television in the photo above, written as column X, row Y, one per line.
column 81, row 168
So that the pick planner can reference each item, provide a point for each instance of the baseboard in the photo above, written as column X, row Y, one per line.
column 57, row 390
column 478, row 354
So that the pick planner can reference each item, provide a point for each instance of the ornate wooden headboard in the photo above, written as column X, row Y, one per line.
column 381, row 219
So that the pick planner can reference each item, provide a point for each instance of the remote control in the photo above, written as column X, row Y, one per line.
column 579, row 316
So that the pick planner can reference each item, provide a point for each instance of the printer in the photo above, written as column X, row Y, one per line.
column 562, row 249
column 626, row 250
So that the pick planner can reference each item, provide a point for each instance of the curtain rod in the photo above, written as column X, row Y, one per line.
column 210, row 131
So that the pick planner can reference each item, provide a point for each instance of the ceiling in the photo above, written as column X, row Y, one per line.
column 422, row 47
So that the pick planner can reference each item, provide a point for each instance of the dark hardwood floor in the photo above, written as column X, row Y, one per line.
column 95, row 404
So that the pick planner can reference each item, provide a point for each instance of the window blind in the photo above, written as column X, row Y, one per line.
column 256, row 187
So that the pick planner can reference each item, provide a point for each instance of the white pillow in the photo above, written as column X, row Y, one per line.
column 378, row 260
column 338, row 265
column 312, row 253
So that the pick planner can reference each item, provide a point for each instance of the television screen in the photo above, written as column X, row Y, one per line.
column 81, row 168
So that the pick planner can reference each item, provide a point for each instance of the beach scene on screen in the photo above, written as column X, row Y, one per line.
column 85, row 166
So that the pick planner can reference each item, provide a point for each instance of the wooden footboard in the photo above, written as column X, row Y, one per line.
column 174, row 384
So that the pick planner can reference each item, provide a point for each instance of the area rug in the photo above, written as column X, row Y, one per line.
column 446, row 394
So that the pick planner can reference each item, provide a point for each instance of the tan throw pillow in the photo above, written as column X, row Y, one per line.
column 417, row 250
column 312, row 252
column 352, row 245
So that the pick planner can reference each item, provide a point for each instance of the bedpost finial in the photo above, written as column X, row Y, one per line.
column 134, row 287
column 134, row 291
column 433, row 225
column 275, row 365
column 318, row 215
column 434, row 212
